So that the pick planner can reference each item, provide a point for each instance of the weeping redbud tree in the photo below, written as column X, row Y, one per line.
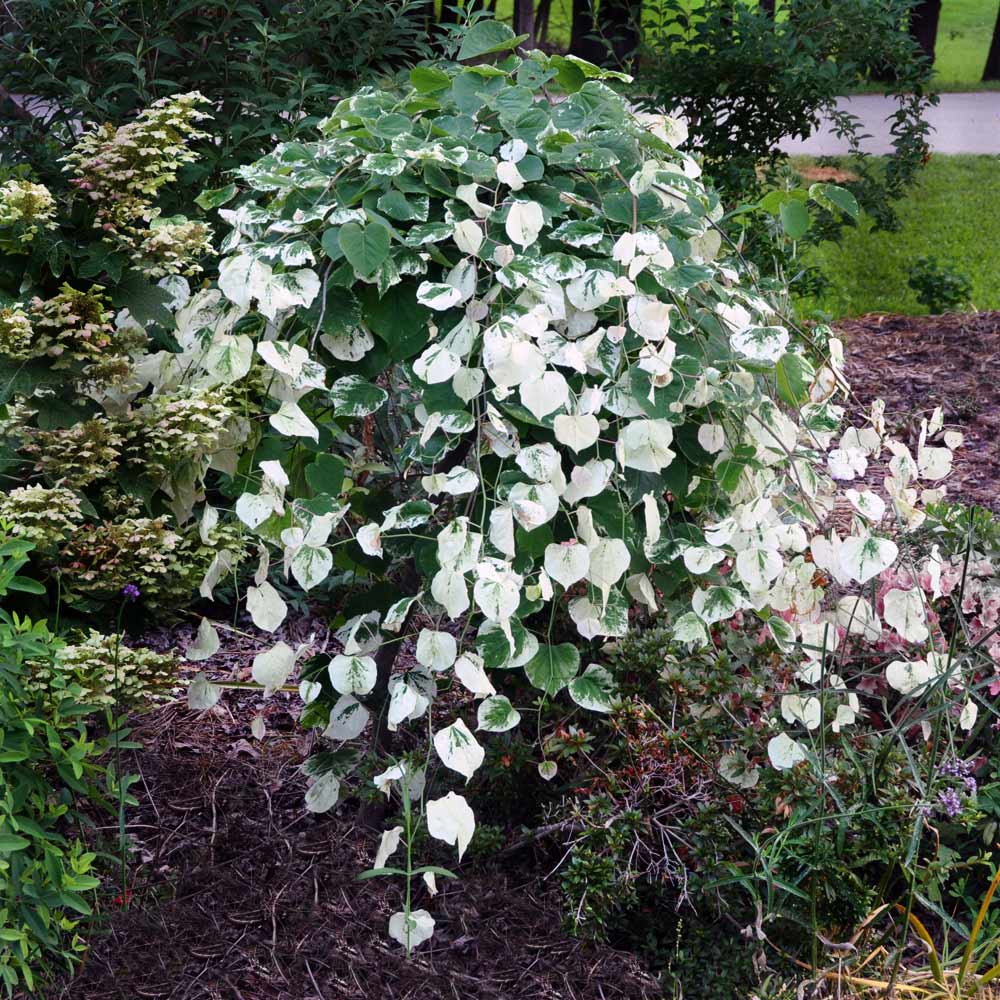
column 516, row 384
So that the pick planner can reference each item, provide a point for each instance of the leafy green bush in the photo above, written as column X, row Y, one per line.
column 940, row 288
column 268, row 69
column 50, row 773
column 745, row 79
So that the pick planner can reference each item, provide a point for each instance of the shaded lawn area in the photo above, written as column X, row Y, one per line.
column 952, row 214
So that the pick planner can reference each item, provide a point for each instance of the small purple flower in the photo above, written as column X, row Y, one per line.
column 970, row 785
column 131, row 592
column 950, row 802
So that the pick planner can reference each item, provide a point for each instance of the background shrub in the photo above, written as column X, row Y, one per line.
column 269, row 69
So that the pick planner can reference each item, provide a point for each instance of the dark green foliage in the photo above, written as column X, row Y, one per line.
column 940, row 288
column 49, row 772
column 270, row 69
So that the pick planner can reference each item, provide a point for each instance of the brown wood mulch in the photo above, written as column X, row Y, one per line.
column 237, row 893
column 916, row 363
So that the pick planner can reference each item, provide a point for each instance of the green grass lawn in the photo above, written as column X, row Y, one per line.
column 963, row 38
column 952, row 214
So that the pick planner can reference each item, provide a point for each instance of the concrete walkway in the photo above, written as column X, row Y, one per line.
column 961, row 123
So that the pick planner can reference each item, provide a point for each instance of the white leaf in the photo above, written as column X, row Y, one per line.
column 468, row 237
column 970, row 712
column 908, row 677
column 468, row 383
column 496, row 715
column 450, row 589
column 257, row 727
column 807, row 711
column 323, row 793
column 203, row 694
column 784, row 752
column 242, row 279
column 567, row 563
column 291, row 421
column 497, row 592
column 369, row 537
column 387, row 846
column 221, row 564
column 545, row 395
column 865, row 556
column 760, row 343
column 577, row 431
column 206, row 642
column 609, row 559
column 436, row 650
column 348, row 719
column 311, row 565
column 436, row 365
column 438, row 295
column 904, row 611
column 524, row 222
column 548, row 769
column 645, row 445
column 352, row 674
column 469, row 670
column 712, row 437
column 690, row 629
column 413, row 930
column 450, row 819
column 283, row 357
column 267, row 609
column 272, row 667
column 458, row 749
column 649, row 317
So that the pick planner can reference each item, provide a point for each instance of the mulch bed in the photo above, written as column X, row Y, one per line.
column 239, row 894
column 916, row 363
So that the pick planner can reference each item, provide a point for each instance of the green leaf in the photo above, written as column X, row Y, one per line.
column 794, row 375
column 497, row 715
column 365, row 247
column 146, row 302
column 216, row 197
column 397, row 319
column 352, row 396
column 10, row 842
column 326, row 474
column 593, row 689
column 553, row 667
column 488, row 36
column 795, row 219
column 831, row 197
column 429, row 79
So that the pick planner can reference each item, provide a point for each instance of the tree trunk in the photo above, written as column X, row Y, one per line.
column 924, row 19
column 524, row 21
column 992, row 70
column 542, row 21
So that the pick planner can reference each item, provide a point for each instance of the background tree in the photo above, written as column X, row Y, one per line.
column 992, row 70
column 924, row 18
